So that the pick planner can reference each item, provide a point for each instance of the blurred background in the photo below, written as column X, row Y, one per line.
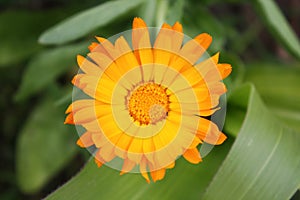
column 38, row 152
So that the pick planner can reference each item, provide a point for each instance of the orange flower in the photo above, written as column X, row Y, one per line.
column 147, row 105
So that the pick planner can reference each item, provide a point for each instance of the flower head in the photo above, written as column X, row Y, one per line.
column 150, row 103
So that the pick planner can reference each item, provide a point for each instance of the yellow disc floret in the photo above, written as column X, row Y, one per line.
column 148, row 103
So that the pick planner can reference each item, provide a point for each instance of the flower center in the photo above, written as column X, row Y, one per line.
column 148, row 103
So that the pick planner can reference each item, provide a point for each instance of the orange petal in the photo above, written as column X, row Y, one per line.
column 141, row 41
column 90, row 86
column 209, row 111
column 99, row 140
column 106, row 48
column 85, row 140
column 218, row 88
column 138, row 23
column 166, row 26
column 143, row 169
column 107, row 152
column 204, row 40
column 98, row 159
column 80, row 59
column 170, row 166
column 135, row 150
column 192, row 155
column 177, row 39
column 209, row 103
column 209, row 132
column 193, row 76
column 126, row 59
column 93, row 46
column 85, row 115
column 88, row 67
column 101, row 39
column 69, row 119
column 127, row 166
column 224, row 69
column 221, row 139
column 80, row 104
column 177, row 27
column 208, row 70
column 193, row 49
column 69, row 109
column 92, row 126
column 195, row 143
column 99, row 164
column 163, row 45
column 158, row 174
column 168, row 43
column 215, row 57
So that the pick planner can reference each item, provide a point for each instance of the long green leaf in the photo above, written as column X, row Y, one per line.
column 278, row 84
column 87, row 21
column 46, row 67
column 278, row 25
column 262, row 164
column 264, row 161
column 44, row 146
column 185, row 181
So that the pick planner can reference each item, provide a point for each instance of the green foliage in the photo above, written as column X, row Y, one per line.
column 19, row 33
column 260, row 159
column 188, row 181
column 79, row 25
column 279, row 86
column 48, row 64
column 44, row 146
column 248, row 172
column 175, row 12
column 278, row 25
column 194, row 24
column 263, row 162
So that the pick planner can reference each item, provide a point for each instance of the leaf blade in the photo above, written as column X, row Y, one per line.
column 82, row 23
column 278, row 25
column 48, row 64
column 104, row 181
column 262, row 163
column 279, row 88
column 44, row 146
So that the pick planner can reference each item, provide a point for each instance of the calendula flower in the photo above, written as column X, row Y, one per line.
column 150, row 103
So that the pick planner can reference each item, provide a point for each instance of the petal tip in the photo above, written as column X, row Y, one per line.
column 92, row 46
column 177, row 27
column 166, row 26
column 100, row 39
column 138, row 23
column 99, row 164
column 80, row 143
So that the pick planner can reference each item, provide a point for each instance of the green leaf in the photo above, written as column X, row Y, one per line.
column 175, row 11
column 264, row 161
column 147, row 12
column 44, row 68
column 44, row 146
column 186, row 180
column 278, row 84
column 19, row 33
column 278, row 25
column 82, row 23
column 201, row 20
column 168, row 11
